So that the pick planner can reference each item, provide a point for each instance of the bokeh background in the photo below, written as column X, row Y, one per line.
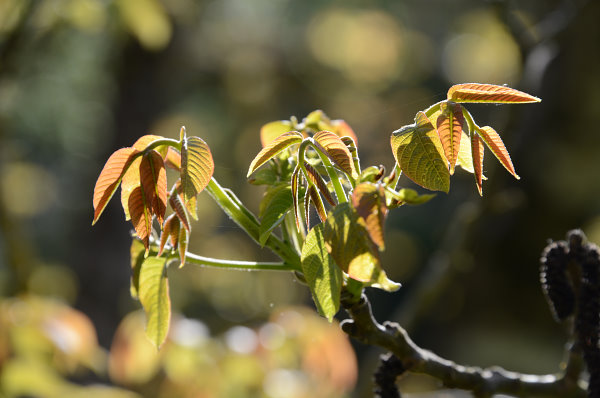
column 82, row 78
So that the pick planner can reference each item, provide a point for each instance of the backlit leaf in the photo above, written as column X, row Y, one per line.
column 275, row 211
column 407, row 196
column 110, row 177
column 315, row 198
column 197, row 168
column 153, row 178
column 323, row 276
column 264, row 176
column 369, row 201
column 178, row 208
column 494, row 142
column 273, row 148
column 295, row 192
column 420, row 155
column 136, row 258
column 307, row 199
column 131, row 181
column 317, row 180
column 140, row 215
column 154, row 296
column 465, row 157
column 477, row 151
column 173, row 159
column 336, row 150
column 449, row 129
column 169, row 232
column 343, row 129
column 475, row 92
column 272, row 130
column 142, row 143
column 182, row 243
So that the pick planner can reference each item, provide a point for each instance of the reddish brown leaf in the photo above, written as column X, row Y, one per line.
column 369, row 201
column 295, row 193
column 140, row 216
column 332, row 146
column 170, row 230
column 477, row 151
column 179, row 209
column 153, row 178
column 343, row 129
column 173, row 159
column 315, row 198
column 475, row 92
column 307, row 198
column 494, row 142
column 449, row 129
column 131, row 180
column 316, row 179
column 145, row 140
column 183, row 245
column 110, row 177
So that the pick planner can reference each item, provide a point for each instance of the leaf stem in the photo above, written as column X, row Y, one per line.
column 333, row 176
column 234, row 264
column 165, row 141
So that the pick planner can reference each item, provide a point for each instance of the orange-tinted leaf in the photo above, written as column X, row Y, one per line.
column 494, row 142
column 179, row 209
column 343, row 129
column 307, row 198
column 170, row 230
column 336, row 150
column 140, row 215
column 475, row 92
column 183, row 241
column 419, row 153
column 153, row 178
column 449, row 129
column 273, row 148
column 110, row 177
column 318, row 203
column 316, row 179
column 272, row 130
column 295, row 193
column 477, row 151
column 369, row 201
column 145, row 140
column 173, row 159
column 197, row 168
column 131, row 181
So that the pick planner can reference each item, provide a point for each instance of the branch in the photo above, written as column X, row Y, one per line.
column 483, row 382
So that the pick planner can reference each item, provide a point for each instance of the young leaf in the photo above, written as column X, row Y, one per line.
column 178, row 208
column 273, row 148
column 173, row 159
column 420, row 155
column 170, row 230
column 307, row 198
column 369, row 201
column 136, row 258
column 449, row 129
column 317, row 180
column 272, row 130
column 315, row 198
column 110, row 177
column 197, row 168
column 494, row 142
column 153, row 178
column 266, row 176
column 348, row 242
column 343, row 129
column 475, row 92
column 407, row 196
column 142, row 143
column 332, row 146
column 323, row 276
column 275, row 211
column 465, row 157
column 295, row 192
column 477, row 151
column 182, row 242
column 131, row 181
column 140, row 215
column 154, row 296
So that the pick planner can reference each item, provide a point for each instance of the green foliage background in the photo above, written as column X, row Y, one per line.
column 80, row 78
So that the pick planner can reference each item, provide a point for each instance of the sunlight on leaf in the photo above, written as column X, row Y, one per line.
column 477, row 151
column 295, row 192
column 182, row 243
column 275, row 210
column 154, row 296
column 142, row 143
column 197, row 168
column 179, row 209
column 420, row 155
column 153, row 178
column 323, row 276
column 140, row 215
column 170, row 230
column 332, row 146
column 317, row 180
column 495, row 144
column 131, row 181
column 369, row 201
column 450, row 127
column 475, row 92
column 273, row 148
column 173, row 159
column 270, row 131
column 465, row 157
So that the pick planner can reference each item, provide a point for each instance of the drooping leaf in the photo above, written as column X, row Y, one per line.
column 494, row 142
column 170, row 231
column 449, row 129
column 295, row 192
column 272, row 130
column 197, row 168
column 475, row 92
column 465, row 157
column 131, row 181
column 110, row 177
column 307, row 199
column 323, row 276
column 153, row 178
column 315, row 198
column 136, row 258
column 420, row 155
column 348, row 242
column 142, row 143
column 179, row 210
column 273, row 148
column 173, row 159
column 275, row 211
column 332, row 146
column 154, row 296
column 140, row 215
column 369, row 201
column 316, row 179
column 477, row 151
column 182, row 243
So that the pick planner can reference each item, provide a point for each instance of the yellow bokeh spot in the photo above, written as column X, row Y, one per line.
column 147, row 21
column 27, row 190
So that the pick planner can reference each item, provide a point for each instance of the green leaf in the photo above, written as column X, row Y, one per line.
column 420, row 155
column 273, row 148
column 197, row 168
column 274, row 212
column 407, row 196
column 266, row 176
column 323, row 276
column 332, row 146
column 154, row 296
column 465, row 156
column 295, row 193
column 272, row 130
column 136, row 258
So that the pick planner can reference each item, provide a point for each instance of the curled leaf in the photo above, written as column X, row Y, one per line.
column 182, row 243
column 141, row 217
column 475, row 92
column 317, row 180
column 315, row 198
column 332, row 146
column 273, row 148
column 170, row 232
column 494, row 142
column 179, row 210
column 197, row 168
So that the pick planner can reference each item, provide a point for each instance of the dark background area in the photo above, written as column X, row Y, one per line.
column 80, row 79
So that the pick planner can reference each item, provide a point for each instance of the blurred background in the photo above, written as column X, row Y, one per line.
column 82, row 78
